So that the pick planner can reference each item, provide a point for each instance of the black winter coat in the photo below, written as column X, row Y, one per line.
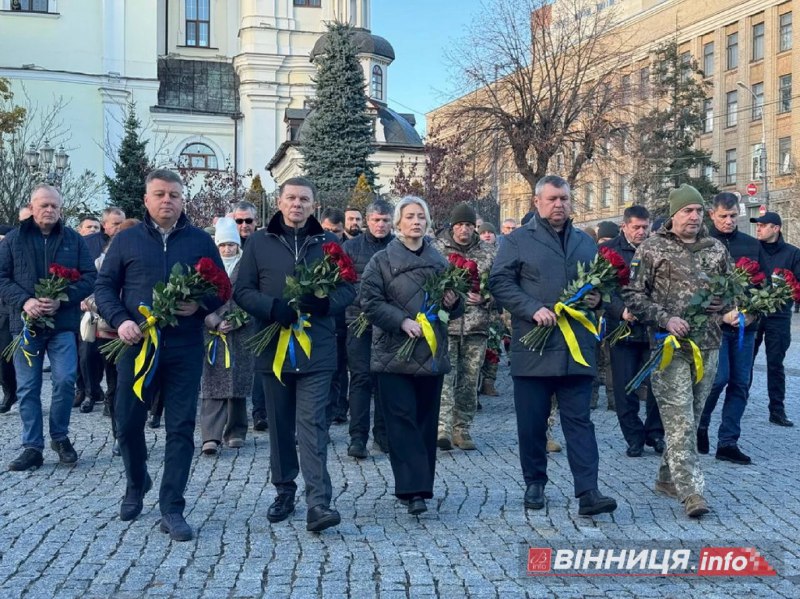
column 614, row 309
column 19, row 274
column 781, row 255
column 137, row 259
column 267, row 260
column 391, row 291
column 361, row 249
column 96, row 242
column 531, row 270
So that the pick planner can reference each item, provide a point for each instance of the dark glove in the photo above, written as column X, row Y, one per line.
column 283, row 314
column 316, row 306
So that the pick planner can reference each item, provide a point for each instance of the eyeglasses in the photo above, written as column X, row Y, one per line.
column 239, row 221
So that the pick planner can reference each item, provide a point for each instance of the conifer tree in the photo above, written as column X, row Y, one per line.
column 337, row 140
column 127, row 188
column 362, row 194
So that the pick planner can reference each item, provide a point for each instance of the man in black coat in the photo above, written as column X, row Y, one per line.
column 363, row 383
column 735, row 363
column 630, row 353
column 298, row 400
column 775, row 330
column 26, row 256
column 138, row 259
column 534, row 264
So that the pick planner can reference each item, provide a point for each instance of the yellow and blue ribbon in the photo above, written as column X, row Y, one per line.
column 565, row 309
column 27, row 334
column 671, row 343
column 211, row 348
column 425, row 319
column 741, row 329
column 146, row 363
column 286, row 345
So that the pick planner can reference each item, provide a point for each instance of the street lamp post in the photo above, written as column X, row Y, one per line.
column 763, row 155
column 47, row 164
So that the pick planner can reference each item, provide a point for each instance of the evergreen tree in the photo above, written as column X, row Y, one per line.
column 131, row 167
column 337, row 139
column 362, row 194
column 665, row 154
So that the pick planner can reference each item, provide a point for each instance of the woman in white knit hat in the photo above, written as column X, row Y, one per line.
column 228, row 366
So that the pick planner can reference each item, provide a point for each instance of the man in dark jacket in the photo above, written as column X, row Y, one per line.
column 363, row 383
column 735, row 362
column 534, row 264
column 26, row 256
column 775, row 330
column 138, row 259
column 300, row 396
column 630, row 353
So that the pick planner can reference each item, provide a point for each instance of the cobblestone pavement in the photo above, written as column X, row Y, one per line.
column 60, row 535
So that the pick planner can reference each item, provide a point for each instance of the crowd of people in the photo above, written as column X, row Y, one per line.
column 417, row 402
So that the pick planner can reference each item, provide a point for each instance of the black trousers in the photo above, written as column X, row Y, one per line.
column 776, row 333
column 532, row 405
column 93, row 366
column 626, row 360
column 337, row 398
column 411, row 407
column 257, row 398
column 363, row 384
column 177, row 380
column 8, row 376
column 299, row 404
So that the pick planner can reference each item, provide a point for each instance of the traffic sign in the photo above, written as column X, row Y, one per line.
column 762, row 210
column 751, row 189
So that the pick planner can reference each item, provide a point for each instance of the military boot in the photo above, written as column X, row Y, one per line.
column 463, row 440
column 488, row 388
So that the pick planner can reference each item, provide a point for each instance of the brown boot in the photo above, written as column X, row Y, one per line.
column 695, row 506
column 667, row 489
column 463, row 440
column 553, row 446
column 488, row 388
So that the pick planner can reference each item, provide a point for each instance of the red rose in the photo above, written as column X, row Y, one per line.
column 348, row 273
column 612, row 257
column 758, row 279
column 624, row 276
column 456, row 260
column 333, row 249
column 492, row 357
column 749, row 266
column 471, row 265
column 62, row 272
column 214, row 276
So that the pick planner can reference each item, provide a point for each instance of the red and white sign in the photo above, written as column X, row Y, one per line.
column 751, row 189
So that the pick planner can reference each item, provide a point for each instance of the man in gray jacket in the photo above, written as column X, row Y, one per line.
column 534, row 264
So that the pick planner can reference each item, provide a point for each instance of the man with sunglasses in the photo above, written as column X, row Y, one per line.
column 244, row 213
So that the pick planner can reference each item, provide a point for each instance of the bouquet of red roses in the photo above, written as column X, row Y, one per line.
column 185, row 284
column 784, row 289
column 457, row 277
column 51, row 287
column 318, row 279
column 605, row 273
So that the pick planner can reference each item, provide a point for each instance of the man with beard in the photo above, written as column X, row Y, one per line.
column 353, row 221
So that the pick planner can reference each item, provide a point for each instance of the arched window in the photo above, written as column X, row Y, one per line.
column 199, row 157
column 377, row 82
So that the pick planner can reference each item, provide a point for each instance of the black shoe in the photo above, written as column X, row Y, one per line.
column 79, row 397
column 66, row 453
column 115, row 450
column 480, row 405
column 340, row 419
column 417, row 506
column 281, row 508
column 780, row 419
column 107, row 408
column 732, row 453
column 702, row 440
column 659, row 446
column 534, row 496
column 634, row 450
column 8, row 401
column 593, row 503
column 133, row 502
column 87, row 405
column 155, row 421
column 29, row 459
column 320, row 517
column 358, row 449
column 260, row 424
column 176, row 526
column 381, row 445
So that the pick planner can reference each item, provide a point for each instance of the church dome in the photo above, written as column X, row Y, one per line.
column 365, row 42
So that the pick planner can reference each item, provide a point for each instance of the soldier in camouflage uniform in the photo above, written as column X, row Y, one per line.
column 666, row 271
column 467, row 335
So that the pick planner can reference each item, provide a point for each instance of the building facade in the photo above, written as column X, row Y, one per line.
column 214, row 81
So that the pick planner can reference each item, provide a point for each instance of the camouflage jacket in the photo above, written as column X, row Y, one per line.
column 476, row 319
column 666, row 272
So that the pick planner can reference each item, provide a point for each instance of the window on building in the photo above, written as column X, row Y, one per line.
column 31, row 5
column 199, row 157
column 589, row 196
column 708, row 59
column 756, row 162
column 708, row 173
column 625, row 87
column 686, row 66
column 732, row 51
column 624, row 190
column 731, row 108
column 758, row 101
column 785, row 155
column 730, row 167
column 606, row 197
column 315, row 3
column 708, row 115
column 785, row 93
column 377, row 82
column 198, row 23
column 758, row 41
column 785, row 34
column 644, row 82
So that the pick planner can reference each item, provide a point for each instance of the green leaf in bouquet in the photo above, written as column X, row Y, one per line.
column 444, row 316
column 62, row 297
column 177, row 270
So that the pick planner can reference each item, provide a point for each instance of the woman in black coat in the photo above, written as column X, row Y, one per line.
column 392, row 295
